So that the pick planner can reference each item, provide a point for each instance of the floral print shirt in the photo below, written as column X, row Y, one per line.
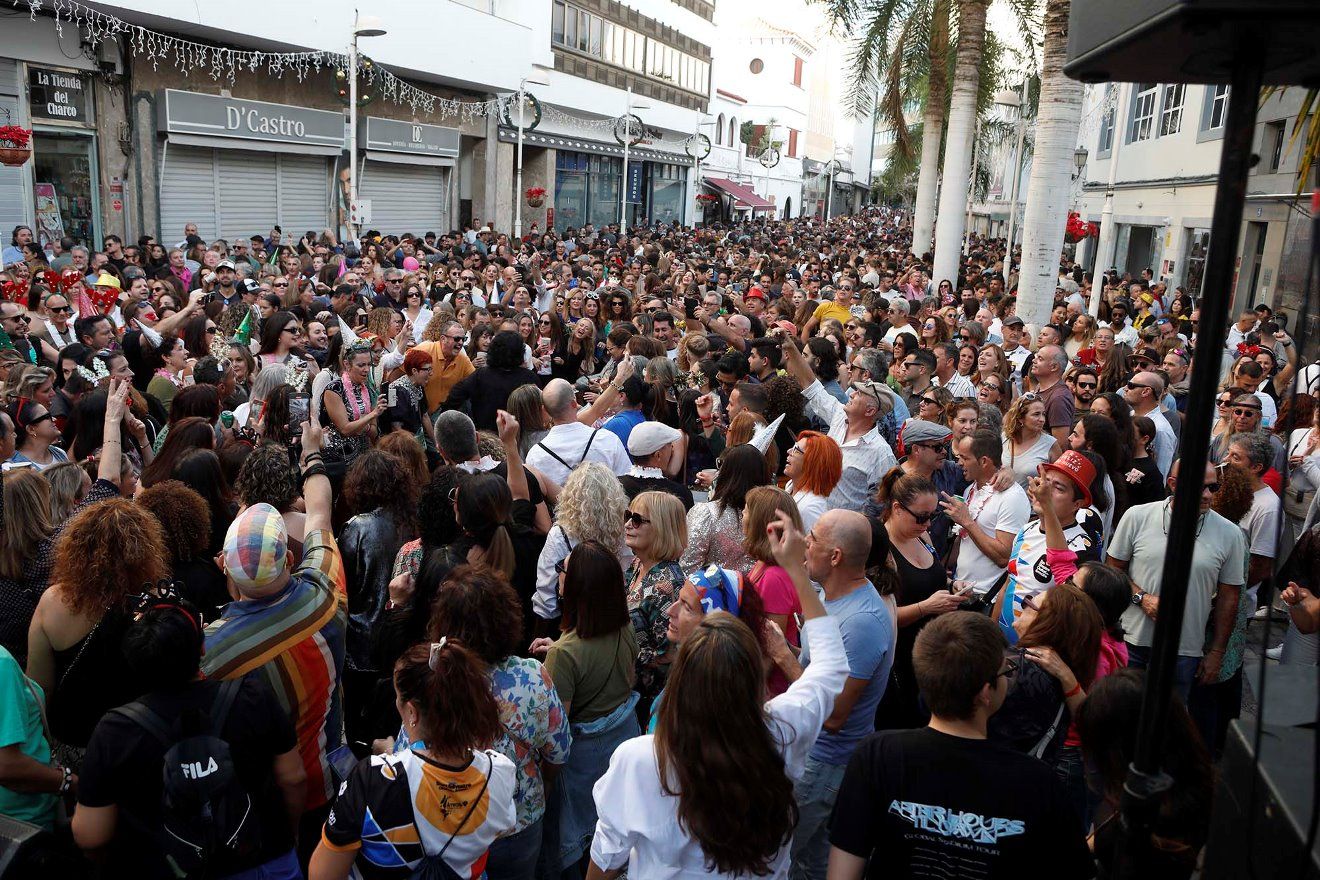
column 649, row 599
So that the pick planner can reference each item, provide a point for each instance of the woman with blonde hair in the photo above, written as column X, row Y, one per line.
column 590, row 508
column 1026, row 442
column 69, row 482
column 814, row 467
column 1082, row 335
column 655, row 530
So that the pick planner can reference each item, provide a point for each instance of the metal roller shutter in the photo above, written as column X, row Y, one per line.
column 232, row 194
column 304, row 194
column 247, row 193
column 406, row 198
column 187, row 192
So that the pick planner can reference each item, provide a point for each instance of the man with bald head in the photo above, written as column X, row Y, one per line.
column 837, row 549
column 569, row 442
column 1144, row 392
column 1047, row 369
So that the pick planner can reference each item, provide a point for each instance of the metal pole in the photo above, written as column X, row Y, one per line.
column 1017, row 177
column 518, row 189
column 829, row 194
column 1104, row 256
column 1146, row 783
column 352, row 133
column 623, row 183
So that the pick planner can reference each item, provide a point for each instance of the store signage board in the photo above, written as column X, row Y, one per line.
column 218, row 116
column 58, row 94
column 397, row 136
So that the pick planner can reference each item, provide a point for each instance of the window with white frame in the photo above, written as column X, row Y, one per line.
column 1218, row 106
column 1143, row 113
column 1107, row 121
column 1172, row 109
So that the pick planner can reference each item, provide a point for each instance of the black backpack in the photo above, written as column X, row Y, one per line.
column 207, row 818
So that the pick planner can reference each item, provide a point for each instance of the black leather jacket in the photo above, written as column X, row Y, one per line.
column 368, row 543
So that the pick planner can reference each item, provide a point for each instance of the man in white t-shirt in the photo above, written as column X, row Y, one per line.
column 1141, row 540
column 988, row 520
column 1252, row 453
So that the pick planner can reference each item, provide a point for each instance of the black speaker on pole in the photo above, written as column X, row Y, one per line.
column 1192, row 41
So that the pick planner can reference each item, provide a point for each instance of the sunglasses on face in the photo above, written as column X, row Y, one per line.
column 1087, row 386
column 921, row 518
column 61, row 309
column 280, row 284
column 1211, row 487
column 1245, row 411
column 635, row 519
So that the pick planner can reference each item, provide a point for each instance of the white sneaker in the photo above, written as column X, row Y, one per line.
column 1264, row 611
column 1275, row 654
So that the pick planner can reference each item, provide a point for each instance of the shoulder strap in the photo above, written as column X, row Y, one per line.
column 590, row 440
column 485, row 783
column 146, row 718
column 550, row 452
column 1049, row 734
column 224, row 701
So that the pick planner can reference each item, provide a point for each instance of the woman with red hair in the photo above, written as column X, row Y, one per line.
column 406, row 399
column 814, row 467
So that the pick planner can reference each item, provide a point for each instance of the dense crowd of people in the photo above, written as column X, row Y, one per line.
column 743, row 550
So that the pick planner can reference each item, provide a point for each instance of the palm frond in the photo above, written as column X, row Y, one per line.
column 1027, row 17
column 892, row 101
column 1306, row 126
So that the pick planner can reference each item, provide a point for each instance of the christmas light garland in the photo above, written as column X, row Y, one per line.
column 224, row 63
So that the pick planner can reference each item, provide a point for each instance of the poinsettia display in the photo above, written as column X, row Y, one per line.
column 707, row 198
column 536, row 192
column 15, row 136
column 1078, row 229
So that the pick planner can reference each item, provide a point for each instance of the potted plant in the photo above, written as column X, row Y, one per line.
column 535, row 196
column 15, row 145
column 707, row 199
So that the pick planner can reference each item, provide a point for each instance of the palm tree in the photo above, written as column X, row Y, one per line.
column 1048, row 189
column 900, row 56
column 951, row 219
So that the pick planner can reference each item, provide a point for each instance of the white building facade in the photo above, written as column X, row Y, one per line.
column 759, row 114
column 1166, row 140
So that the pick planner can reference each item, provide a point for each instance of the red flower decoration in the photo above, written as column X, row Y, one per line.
column 1245, row 350
column 1077, row 229
column 15, row 135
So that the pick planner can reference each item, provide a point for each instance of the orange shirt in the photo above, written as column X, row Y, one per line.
column 448, row 373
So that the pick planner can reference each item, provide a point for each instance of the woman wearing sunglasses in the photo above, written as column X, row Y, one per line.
column 911, row 503
column 655, row 530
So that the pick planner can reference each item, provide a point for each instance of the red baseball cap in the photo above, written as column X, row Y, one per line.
column 1077, row 468
column 755, row 292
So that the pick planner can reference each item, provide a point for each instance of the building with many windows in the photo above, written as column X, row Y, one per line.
column 1166, row 142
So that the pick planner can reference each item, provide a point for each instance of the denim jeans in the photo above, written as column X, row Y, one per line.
column 815, row 794
column 1183, row 675
column 514, row 857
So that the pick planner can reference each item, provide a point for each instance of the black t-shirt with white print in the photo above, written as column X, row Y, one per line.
column 923, row 804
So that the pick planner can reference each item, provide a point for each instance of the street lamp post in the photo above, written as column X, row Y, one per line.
column 1105, row 247
column 829, row 194
column 518, row 194
column 629, row 107
column 363, row 26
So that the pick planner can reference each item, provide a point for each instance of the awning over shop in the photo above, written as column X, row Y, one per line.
column 744, row 196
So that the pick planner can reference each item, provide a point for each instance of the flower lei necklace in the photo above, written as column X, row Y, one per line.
column 357, row 407
column 178, row 383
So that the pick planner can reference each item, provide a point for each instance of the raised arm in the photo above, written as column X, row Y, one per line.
column 316, row 484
